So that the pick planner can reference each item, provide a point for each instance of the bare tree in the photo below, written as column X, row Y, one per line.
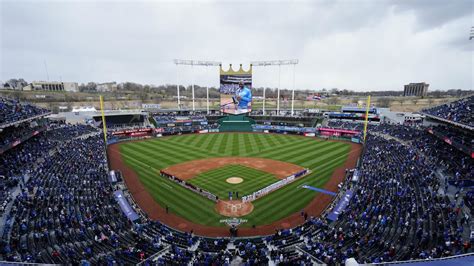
column 302, row 101
column 333, row 100
column 415, row 101
column 430, row 101
column 384, row 101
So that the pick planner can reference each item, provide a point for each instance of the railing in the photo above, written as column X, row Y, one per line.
column 22, row 139
column 24, row 120
column 449, row 121
column 156, row 255
column 10, row 263
column 432, row 260
column 319, row 262
column 453, row 141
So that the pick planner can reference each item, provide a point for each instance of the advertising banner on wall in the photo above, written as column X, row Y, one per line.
column 151, row 106
column 236, row 91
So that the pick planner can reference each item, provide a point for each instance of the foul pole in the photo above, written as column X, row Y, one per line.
column 366, row 122
column 103, row 119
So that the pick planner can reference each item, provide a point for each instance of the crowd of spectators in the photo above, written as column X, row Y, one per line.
column 12, row 110
column 457, row 164
column 463, row 137
column 346, row 125
column 403, row 132
column 17, row 164
column 63, row 131
column 163, row 117
column 182, row 123
column 65, row 211
column 13, row 133
column 396, row 212
column 6, row 184
column 459, row 111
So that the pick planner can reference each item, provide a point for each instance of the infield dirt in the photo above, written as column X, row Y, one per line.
column 190, row 169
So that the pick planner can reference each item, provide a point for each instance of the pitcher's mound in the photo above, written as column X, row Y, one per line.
column 234, row 180
column 233, row 208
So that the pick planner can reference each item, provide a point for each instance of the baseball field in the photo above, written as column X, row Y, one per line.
column 254, row 160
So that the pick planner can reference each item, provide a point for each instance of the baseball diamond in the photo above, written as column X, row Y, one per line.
column 215, row 181
column 143, row 160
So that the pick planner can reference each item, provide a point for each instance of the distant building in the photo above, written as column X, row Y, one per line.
column 416, row 89
column 51, row 86
column 71, row 86
column 107, row 86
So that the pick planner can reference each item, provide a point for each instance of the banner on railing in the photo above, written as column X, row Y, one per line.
column 24, row 138
column 341, row 206
column 125, row 206
column 112, row 177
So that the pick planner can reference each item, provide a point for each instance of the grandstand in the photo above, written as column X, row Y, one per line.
column 121, row 119
column 353, row 113
column 408, row 199
column 458, row 112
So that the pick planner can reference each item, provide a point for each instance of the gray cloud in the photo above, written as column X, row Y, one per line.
column 435, row 13
column 347, row 44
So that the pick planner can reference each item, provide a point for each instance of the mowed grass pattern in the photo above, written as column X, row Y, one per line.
column 150, row 156
column 214, row 181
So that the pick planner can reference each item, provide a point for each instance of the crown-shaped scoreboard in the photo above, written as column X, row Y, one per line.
column 231, row 71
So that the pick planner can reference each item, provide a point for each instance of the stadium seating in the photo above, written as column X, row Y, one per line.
column 57, row 205
column 173, row 124
column 12, row 111
column 394, row 180
column 458, row 111
column 399, row 131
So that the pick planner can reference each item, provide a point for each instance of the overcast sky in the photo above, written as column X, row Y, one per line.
column 358, row 45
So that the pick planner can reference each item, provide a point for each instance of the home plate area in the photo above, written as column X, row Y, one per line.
column 233, row 208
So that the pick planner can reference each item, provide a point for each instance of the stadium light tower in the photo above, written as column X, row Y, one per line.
column 278, row 63
column 191, row 63
column 472, row 34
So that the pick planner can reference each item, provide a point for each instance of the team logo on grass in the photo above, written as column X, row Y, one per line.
column 233, row 221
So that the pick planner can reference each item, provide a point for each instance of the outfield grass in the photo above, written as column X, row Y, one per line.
column 150, row 156
column 214, row 180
